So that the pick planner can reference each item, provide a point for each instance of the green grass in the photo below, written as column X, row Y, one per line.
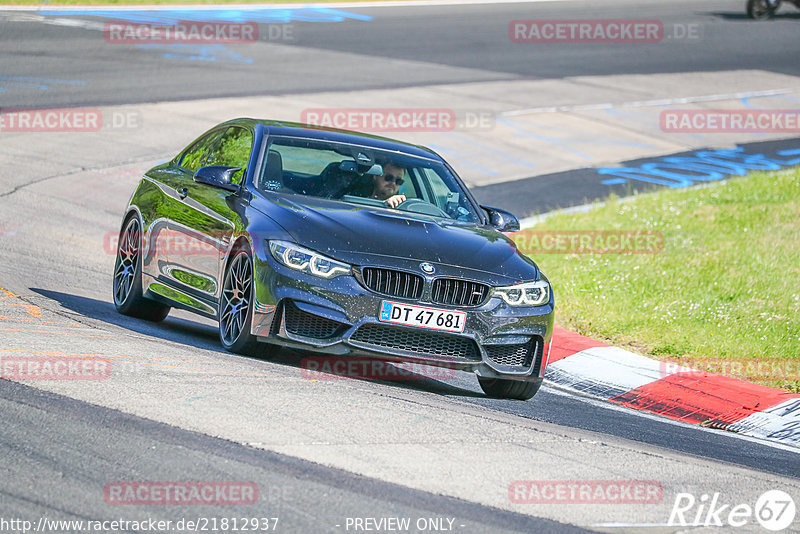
column 722, row 296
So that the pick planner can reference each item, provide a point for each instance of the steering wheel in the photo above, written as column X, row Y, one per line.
column 415, row 205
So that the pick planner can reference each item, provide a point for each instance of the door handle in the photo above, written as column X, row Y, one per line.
column 183, row 192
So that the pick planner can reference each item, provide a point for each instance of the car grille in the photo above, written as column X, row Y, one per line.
column 307, row 324
column 393, row 283
column 456, row 292
column 445, row 346
column 517, row 355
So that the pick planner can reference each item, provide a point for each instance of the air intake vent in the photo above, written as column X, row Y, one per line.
column 453, row 348
column 393, row 283
column 518, row 355
column 307, row 324
column 454, row 292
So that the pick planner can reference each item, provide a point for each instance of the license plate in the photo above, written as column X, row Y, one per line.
column 449, row 321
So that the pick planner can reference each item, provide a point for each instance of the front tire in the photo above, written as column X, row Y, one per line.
column 761, row 9
column 128, row 298
column 500, row 388
column 236, row 305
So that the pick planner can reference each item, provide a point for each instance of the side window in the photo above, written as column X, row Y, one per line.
column 411, row 189
column 199, row 153
column 232, row 150
column 441, row 192
column 230, row 147
column 451, row 201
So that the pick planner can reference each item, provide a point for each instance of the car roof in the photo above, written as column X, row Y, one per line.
column 298, row 129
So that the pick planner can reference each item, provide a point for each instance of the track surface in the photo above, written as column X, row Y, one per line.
column 65, row 473
column 394, row 49
column 226, row 417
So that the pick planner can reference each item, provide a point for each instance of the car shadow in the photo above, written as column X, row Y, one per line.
column 189, row 332
column 174, row 327
column 742, row 16
column 319, row 367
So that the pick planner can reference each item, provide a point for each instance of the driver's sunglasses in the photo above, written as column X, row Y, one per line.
column 390, row 177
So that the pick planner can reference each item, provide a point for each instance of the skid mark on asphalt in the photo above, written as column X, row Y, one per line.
column 53, row 332
column 190, row 400
column 36, row 321
column 32, row 309
column 29, row 82
column 188, row 52
column 112, row 183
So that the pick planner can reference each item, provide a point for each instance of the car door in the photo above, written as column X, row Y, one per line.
column 167, row 243
column 206, row 222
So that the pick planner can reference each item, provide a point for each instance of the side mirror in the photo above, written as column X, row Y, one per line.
column 502, row 220
column 217, row 176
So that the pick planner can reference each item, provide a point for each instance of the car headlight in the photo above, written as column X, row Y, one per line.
column 526, row 294
column 301, row 259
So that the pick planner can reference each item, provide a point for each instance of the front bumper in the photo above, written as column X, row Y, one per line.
column 340, row 317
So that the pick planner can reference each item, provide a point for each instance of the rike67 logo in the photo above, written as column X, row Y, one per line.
column 774, row 510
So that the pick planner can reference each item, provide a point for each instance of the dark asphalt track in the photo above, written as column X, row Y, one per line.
column 548, row 405
column 56, row 453
column 62, row 453
column 85, row 70
column 541, row 194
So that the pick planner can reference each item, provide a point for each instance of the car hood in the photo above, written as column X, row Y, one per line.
column 363, row 235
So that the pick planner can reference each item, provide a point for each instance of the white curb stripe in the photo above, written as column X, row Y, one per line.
column 607, row 372
column 781, row 422
column 611, row 368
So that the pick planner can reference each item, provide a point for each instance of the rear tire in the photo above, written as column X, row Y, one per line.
column 761, row 9
column 127, row 285
column 500, row 388
column 236, row 305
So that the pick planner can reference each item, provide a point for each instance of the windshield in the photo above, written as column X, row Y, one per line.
column 363, row 175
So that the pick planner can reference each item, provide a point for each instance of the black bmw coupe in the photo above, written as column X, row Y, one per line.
column 338, row 243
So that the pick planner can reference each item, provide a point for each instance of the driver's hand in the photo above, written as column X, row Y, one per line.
column 395, row 200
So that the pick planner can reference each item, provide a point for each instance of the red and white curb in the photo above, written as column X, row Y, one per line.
column 680, row 393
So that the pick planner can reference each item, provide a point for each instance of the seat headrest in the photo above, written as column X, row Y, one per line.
column 273, row 176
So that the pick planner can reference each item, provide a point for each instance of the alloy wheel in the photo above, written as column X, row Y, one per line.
column 127, row 259
column 236, row 298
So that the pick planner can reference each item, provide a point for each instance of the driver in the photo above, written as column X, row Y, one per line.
column 386, row 186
